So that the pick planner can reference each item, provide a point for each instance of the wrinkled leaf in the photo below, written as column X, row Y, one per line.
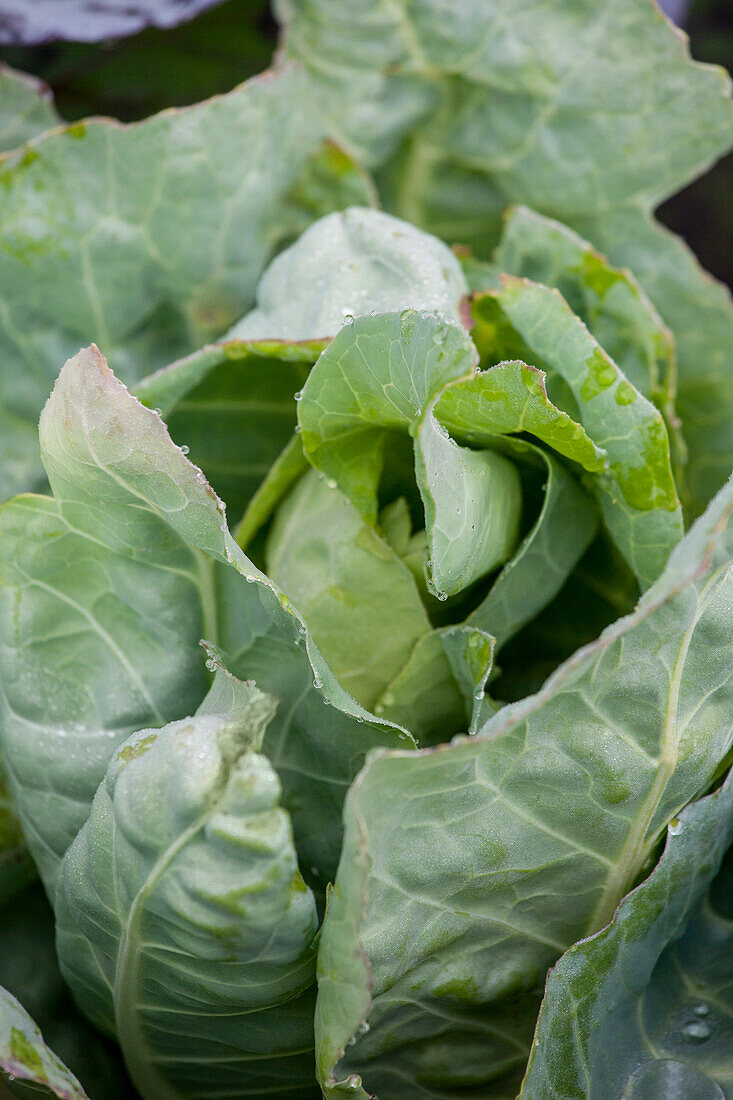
column 643, row 1009
column 468, row 869
column 593, row 116
column 567, row 108
column 609, row 300
column 184, row 926
column 147, row 238
column 133, row 563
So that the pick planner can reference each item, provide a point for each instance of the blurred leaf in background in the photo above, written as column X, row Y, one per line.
column 131, row 78
column 27, row 24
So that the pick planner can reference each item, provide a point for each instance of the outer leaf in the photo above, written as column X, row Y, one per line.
column 354, row 262
column 26, row 108
column 645, row 1005
column 183, row 923
column 514, row 844
column 347, row 583
column 89, row 20
column 26, row 1060
column 639, row 498
column 498, row 103
column 592, row 113
column 132, row 564
column 149, row 238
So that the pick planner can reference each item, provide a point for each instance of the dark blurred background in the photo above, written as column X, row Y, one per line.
column 133, row 77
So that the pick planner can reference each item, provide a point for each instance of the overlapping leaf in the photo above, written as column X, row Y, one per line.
column 636, row 490
column 468, row 869
column 589, row 113
column 184, row 926
column 149, row 238
column 643, row 1009
column 105, row 591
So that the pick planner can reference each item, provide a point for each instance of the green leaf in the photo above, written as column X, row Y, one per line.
column 26, row 1062
column 184, row 926
column 643, row 1009
column 233, row 407
column 698, row 309
column 151, row 238
column 347, row 583
column 285, row 470
column 511, row 397
column 26, row 110
column 545, row 558
column 132, row 563
column 468, row 869
column 592, row 117
column 354, row 262
column 440, row 690
column 385, row 373
column 469, row 110
column 636, row 491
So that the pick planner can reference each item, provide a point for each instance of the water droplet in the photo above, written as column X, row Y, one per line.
column 158, row 412
column 359, row 719
column 442, row 596
column 318, row 682
column 675, row 826
column 298, row 429
column 331, row 482
column 211, row 665
column 326, row 702
column 697, row 1031
column 185, row 449
column 249, row 580
column 298, row 395
column 348, row 316
column 701, row 1009
column 478, row 696
column 223, row 527
column 301, row 629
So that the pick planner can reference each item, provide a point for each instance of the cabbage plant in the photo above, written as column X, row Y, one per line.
column 366, row 673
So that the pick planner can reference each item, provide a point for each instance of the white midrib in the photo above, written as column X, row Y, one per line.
column 138, row 1057
column 637, row 845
